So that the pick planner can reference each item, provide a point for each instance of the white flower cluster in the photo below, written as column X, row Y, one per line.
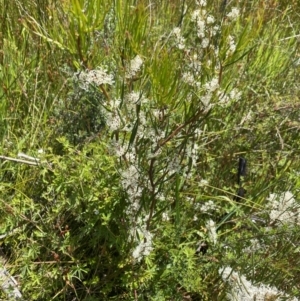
column 201, row 2
column 130, row 183
column 135, row 66
column 243, row 290
column 144, row 239
column 212, row 231
column 97, row 77
column 283, row 208
column 225, row 98
column 118, row 149
column 232, row 45
column 189, row 79
column 203, row 183
column 255, row 246
column 208, row 206
column 124, row 121
column 113, row 121
column 194, row 67
column 179, row 38
column 173, row 166
column 213, row 85
column 117, row 121
column 192, row 152
column 165, row 216
column 195, row 64
column 234, row 14
column 210, row 87
column 198, row 18
column 205, row 26
column 134, row 184
column 135, row 98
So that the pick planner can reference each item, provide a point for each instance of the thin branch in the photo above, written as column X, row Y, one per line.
column 291, row 37
column 30, row 158
column 19, row 160
column 180, row 127
column 280, row 138
column 36, row 161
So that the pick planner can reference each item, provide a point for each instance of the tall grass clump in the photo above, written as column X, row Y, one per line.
column 149, row 150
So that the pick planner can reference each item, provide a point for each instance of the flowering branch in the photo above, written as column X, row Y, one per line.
column 180, row 127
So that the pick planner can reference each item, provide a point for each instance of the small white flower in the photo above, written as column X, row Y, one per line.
column 223, row 98
column 177, row 31
column 155, row 154
column 115, row 104
column 205, row 43
column 189, row 79
column 119, row 149
column 235, row 94
column 213, row 85
column 131, row 156
column 232, row 45
column 192, row 152
column 203, row 183
column 254, row 246
column 206, row 99
column 201, row 29
column 201, row 2
column 198, row 133
column 215, row 30
column 135, row 98
column 234, row 14
column 135, row 66
column 97, row 77
column 179, row 38
column 208, row 206
column 196, row 14
column 173, row 166
column 212, row 231
column 113, row 121
column 200, row 22
column 165, row 216
column 144, row 238
column 130, row 177
column 283, row 208
column 137, row 252
column 210, row 19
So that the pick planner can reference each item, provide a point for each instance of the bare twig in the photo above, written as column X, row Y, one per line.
column 8, row 283
column 280, row 138
column 180, row 127
column 19, row 160
column 291, row 37
column 22, row 155
column 31, row 160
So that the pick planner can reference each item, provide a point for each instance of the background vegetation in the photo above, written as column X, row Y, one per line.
column 138, row 112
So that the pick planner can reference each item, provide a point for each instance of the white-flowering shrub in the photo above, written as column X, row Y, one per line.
column 243, row 290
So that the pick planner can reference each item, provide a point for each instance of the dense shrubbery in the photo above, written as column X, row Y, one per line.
column 135, row 114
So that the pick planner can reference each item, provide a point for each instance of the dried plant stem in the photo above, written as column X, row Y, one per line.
column 20, row 161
